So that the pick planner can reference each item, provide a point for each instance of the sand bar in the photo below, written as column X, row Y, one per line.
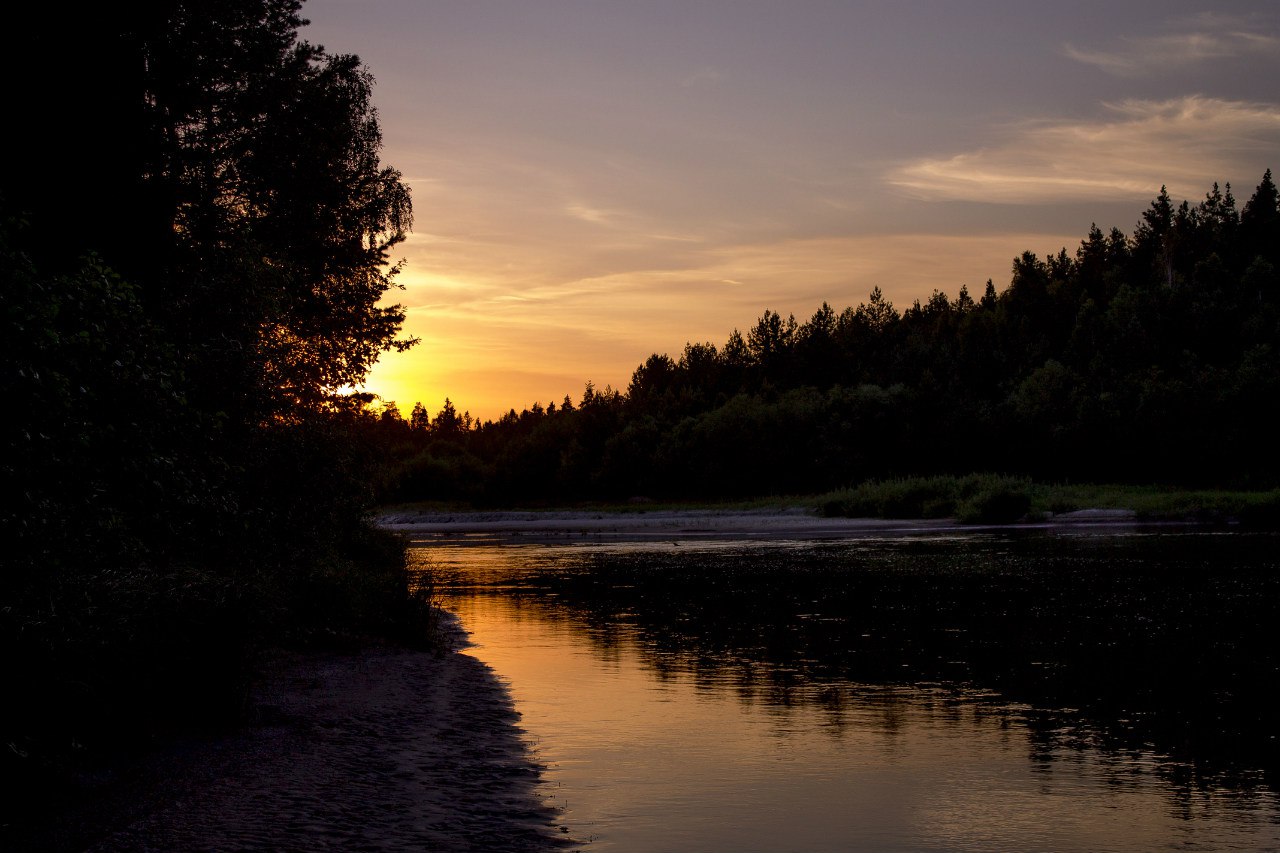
column 635, row 526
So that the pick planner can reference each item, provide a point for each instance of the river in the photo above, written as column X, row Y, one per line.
column 961, row 692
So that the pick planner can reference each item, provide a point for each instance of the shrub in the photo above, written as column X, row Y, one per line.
column 976, row 498
column 997, row 501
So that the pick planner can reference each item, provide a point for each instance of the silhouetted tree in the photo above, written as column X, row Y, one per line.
column 419, row 419
column 200, row 275
column 240, row 189
column 770, row 342
column 651, row 381
column 1260, row 222
column 1151, row 237
column 447, row 422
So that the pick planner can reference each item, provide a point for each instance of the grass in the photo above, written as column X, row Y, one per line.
column 992, row 498
column 1156, row 503
column 973, row 499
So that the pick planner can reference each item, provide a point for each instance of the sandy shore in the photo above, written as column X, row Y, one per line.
column 385, row 749
column 637, row 526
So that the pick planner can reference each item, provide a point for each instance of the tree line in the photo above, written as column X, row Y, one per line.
column 1148, row 357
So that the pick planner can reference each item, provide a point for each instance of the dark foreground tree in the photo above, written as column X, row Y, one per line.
column 195, row 236
column 229, row 170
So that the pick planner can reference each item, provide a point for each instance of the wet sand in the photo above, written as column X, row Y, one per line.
column 384, row 749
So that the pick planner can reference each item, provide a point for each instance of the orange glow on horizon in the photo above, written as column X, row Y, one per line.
column 491, row 342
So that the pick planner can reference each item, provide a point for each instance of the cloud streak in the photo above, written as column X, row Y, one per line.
column 1138, row 146
column 1213, row 38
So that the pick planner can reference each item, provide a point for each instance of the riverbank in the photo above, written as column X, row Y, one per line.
column 380, row 749
column 567, row 526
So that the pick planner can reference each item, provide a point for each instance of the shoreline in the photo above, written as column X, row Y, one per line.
column 570, row 526
column 384, row 748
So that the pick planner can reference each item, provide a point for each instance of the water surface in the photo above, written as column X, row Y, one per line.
column 963, row 693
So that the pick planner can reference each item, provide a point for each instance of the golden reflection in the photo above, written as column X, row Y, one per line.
column 654, row 750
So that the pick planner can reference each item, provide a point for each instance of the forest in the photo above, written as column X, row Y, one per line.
column 1151, row 357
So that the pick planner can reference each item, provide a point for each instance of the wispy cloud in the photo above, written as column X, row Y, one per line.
column 587, row 213
column 1203, row 39
column 1138, row 145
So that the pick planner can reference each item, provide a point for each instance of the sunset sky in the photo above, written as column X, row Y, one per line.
column 597, row 180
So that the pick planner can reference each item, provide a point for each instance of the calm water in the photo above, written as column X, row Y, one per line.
column 972, row 693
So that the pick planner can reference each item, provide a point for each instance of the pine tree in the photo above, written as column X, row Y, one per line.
column 1260, row 222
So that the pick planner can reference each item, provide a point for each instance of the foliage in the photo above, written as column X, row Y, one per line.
column 243, row 192
column 988, row 499
column 184, row 478
column 1259, row 509
column 975, row 498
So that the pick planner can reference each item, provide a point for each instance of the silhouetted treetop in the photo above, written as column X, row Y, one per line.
column 241, row 190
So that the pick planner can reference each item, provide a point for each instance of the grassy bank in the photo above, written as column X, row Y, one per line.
column 994, row 499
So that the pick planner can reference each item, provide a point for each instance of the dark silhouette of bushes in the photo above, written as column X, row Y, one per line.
column 974, row 499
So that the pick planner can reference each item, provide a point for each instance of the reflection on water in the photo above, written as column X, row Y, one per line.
column 960, row 694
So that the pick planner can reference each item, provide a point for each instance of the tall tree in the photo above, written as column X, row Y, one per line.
column 195, row 233
column 1152, row 238
column 1260, row 222
column 236, row 181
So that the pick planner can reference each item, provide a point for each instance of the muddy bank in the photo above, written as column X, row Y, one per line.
column 385, row 749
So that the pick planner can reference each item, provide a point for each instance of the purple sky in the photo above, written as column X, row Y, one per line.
column 597, row 180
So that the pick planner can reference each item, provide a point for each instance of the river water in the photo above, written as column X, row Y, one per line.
column 985, row 692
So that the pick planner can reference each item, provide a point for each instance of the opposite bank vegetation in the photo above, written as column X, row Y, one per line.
column 1150, row 358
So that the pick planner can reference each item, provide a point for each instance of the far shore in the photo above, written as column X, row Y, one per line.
column 634, row 525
